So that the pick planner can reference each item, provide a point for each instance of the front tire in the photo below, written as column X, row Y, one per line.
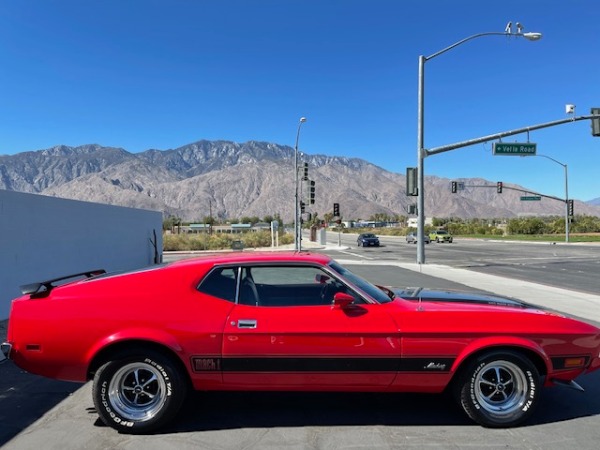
column 499, row 389
column 138, row 393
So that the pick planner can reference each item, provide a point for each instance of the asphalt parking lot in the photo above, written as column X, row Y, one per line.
column 39, row 413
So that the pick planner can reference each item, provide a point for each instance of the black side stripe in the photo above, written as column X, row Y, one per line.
column 422, row 365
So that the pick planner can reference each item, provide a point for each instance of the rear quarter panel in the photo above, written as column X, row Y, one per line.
column 58, row 336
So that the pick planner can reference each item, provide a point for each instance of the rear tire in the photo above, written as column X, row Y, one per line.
column 138, row 393
column 499, row 389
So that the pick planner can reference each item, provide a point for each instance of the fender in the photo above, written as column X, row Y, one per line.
column 489, row 343
column 139, row 334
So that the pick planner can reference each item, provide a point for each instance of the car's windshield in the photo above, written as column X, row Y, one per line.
column 368, row 235
column 368, row 288
column 441, row 232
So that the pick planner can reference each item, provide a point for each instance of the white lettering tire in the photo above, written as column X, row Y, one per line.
column 499, row 389
column 138, row 393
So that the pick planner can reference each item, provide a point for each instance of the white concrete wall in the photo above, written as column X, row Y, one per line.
column 46, row 237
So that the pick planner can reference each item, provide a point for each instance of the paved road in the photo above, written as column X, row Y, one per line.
column 566, row 419
column 568, row 266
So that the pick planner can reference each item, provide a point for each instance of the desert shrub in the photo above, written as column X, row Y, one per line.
column 220, row 241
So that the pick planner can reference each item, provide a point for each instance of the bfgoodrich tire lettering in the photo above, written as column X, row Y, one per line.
column 499, row 389
column 138, row 393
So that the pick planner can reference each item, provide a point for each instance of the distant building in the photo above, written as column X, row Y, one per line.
column 228, row 229
column 413, row 222
column 375, row 224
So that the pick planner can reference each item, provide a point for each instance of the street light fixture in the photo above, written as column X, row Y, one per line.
column 566, row 193
column 421, row 151
column 297, row 236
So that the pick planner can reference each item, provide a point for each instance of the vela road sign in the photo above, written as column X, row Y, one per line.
column 515, row 149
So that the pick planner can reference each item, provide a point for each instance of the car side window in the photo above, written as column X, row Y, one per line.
column 220, row 282
column 296, row 286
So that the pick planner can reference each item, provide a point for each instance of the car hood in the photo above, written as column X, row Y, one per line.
column 432, row 295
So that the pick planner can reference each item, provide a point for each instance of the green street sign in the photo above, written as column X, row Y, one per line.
column 516, row 149
column 529, row 198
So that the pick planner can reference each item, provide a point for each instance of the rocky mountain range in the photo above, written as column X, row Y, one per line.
column 595, row 201
column 231, row 180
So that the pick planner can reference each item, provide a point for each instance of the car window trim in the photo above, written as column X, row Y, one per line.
column 237, row 272
column 367, row 299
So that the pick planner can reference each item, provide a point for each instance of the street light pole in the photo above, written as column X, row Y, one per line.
column 421, row 151
column 297, row 236
column 566, row 193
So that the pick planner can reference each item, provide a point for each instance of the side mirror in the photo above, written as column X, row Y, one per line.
column 342, row 300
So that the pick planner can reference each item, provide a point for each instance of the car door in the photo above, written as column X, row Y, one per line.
column 292, row 335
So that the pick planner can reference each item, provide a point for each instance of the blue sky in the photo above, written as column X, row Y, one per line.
column 141, row 74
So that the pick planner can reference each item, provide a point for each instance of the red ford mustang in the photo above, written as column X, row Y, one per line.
column 246, row 321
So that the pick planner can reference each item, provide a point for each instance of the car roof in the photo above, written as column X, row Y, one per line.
column 254, row 257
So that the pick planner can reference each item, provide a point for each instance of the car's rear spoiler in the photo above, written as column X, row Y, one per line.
column 36, row 288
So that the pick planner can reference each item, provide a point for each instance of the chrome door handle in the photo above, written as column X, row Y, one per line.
column 246, row 323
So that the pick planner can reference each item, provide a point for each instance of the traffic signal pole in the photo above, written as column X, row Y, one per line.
column 500, row 186
column 491, row 137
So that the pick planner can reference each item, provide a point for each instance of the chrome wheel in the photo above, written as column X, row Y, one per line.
column 137, row 391
column 501, row 388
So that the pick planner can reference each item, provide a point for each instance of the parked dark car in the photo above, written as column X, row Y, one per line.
column 367, row 240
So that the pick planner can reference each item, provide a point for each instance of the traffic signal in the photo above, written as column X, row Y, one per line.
column 596, row 122
column 570, row 211
column 336, row 209
column 302, row 207
column 311, row 192
column 499, row 187
column 304, row 171
column 412, row 188
column 454, row 185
